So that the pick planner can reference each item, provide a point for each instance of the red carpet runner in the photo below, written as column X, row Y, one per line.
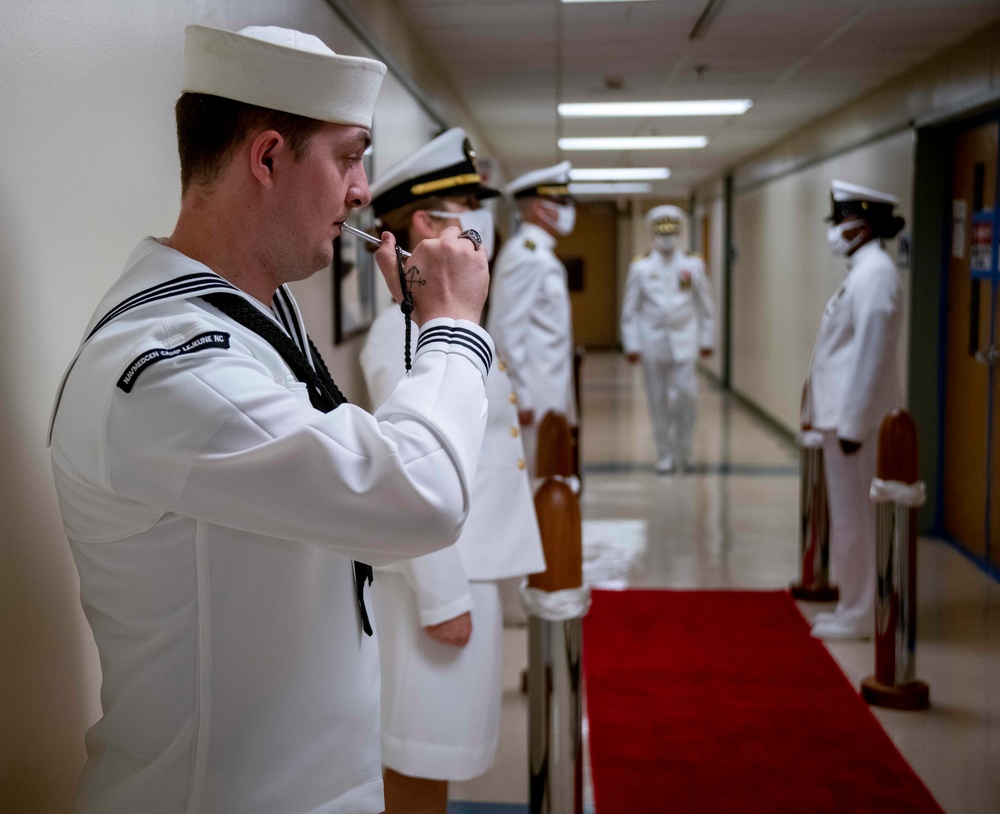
column 720, row 701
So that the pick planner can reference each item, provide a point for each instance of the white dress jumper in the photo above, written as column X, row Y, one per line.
column 213, row 514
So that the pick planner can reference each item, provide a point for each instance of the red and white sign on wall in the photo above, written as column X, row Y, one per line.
column 981, row 254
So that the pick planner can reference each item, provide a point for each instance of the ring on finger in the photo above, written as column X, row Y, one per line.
column 473, row 236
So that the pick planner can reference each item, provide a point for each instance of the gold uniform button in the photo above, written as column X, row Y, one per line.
column 520, row 463
column 502, row 365
column 513, row 432
column 512, row 398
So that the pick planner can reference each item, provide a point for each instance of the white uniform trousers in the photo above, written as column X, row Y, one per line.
column 440, row 704
column 671, row 388
column 852, row 529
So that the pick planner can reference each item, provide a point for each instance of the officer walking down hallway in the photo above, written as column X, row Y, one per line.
column 668, row 320
column 219, row 496
column 439, row 616
column 853, row 384
column 530, row 318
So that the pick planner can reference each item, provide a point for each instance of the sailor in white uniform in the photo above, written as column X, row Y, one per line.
column 853, row 383
column 530, row 317
column 220, row 498
column 668, row 321
column 439, row 617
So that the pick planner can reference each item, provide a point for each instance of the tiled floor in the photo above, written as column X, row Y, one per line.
column 732, row 523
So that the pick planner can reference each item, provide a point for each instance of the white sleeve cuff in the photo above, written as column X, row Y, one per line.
column 456, row 336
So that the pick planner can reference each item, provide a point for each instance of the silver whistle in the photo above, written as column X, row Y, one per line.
column 346, row 227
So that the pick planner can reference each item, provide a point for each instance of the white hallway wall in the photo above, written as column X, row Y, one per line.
column 86, row 97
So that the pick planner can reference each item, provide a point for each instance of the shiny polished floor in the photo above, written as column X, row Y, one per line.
column 731, row 522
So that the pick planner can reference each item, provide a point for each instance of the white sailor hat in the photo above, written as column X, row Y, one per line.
column 445, row 166
column 281, row 69
column 550, row 182
column 851, row 199
column 665, row 220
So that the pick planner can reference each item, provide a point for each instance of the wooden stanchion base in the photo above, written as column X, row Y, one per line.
column 915, row 695
column 814, row 593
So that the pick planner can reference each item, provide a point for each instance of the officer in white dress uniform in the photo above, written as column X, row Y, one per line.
column 439, row 618
column 530, row 317
column 668, row 321
column 853, row 383
column 213, row 497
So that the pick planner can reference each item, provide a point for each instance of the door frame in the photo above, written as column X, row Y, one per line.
column 931, row 249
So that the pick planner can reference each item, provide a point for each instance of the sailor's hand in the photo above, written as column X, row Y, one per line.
column 454, row 632
column 447, row 276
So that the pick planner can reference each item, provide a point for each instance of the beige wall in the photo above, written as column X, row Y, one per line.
column 90, row 168
column 712, row 248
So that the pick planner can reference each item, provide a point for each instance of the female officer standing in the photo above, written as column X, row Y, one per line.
column 853, row 383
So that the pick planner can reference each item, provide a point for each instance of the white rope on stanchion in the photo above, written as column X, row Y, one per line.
column 911, row 495
column 556, row 606
column 810, row 439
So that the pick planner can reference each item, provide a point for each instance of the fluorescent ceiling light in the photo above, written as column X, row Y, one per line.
column 602, row 1
column 707, row 107
column 634, row 143
column 621, row 174
column 609, row 189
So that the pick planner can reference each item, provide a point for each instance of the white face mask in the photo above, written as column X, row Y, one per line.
column 839, row 245
column 665, row 244
column 479, row 219
column 565, row 217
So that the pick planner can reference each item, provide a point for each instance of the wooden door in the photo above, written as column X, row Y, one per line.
column 590, row 255
column 969, row 327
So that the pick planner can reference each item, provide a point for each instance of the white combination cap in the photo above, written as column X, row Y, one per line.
column 842, row 191
column 550, row 182
column 666, row 219
column 281, row 69
column 851, row 199
column 445, row 166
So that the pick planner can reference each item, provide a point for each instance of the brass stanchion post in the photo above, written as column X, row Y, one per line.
column 898, row 492
column 557, row 602
column 814, row 524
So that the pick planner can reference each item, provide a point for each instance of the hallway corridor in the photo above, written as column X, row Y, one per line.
column 731, row 522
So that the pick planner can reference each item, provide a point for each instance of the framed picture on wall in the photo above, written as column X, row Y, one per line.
column 354, row 276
